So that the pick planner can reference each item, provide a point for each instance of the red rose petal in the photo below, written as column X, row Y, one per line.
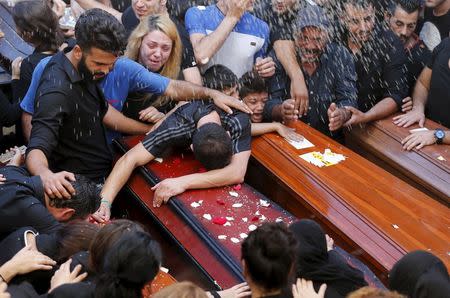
column 176, row 161
column 255, row 218
column 201, row 170
column 219, row 220
column 220, row 202
column 237, row 187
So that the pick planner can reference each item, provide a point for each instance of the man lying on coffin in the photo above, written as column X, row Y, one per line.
column 253, row 90
column 220, row 141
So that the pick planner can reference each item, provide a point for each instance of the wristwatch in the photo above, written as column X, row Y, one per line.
column 439, row 134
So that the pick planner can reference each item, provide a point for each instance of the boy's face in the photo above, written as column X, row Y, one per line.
column 256, row 103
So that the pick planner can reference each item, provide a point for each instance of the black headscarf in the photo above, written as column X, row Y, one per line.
column 316, row 264
column 420, row 274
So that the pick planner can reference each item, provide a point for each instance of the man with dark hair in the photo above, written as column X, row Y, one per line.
column 68, row 135
column 430, row 98
column 436, row 25
column 227, row 165
column 380, row 63
column 330, row 75
column 402, row 17
column 268, row 258
column 23, row 202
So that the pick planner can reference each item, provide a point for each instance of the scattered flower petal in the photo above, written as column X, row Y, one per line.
column 227, row 224
column 237, row 187
column 219, row 220
column 195, row 205
column 201, row 170
column 255, row 218
column 395, row 227
column 159, row 159
column 244, row 219
column 176, row 161
column 243, row 235
column 252, row 227
column 279, row 219
column 237, row 205
column 229, row 218
column 222, row 237
column 220, row 202
column 234, row 194
column 264, row 203
column 207, row 216
column 234, row 240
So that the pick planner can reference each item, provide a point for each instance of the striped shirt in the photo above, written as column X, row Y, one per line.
column 177, row 130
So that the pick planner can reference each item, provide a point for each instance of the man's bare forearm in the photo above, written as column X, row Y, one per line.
column 90, row 4
column 285, row 52
column 208, row 45
column 182, row 90
column 37, row 163
column 382, row 109
column 117, row 121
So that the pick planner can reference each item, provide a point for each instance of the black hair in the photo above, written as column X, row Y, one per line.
column 251, row 82
column 38, row 24
column 85, row 201
column 212, row 146
column 129, row 264
column 409, row 6
column 219, row 77
column 97, row 28
column 269, row 255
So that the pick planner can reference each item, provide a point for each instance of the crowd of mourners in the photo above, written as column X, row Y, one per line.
column 209, row 75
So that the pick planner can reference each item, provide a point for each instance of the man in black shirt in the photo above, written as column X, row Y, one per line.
column 23, row 202
column 403, row 16
column 430, row 98
column 380, row 63
column 436, row 25
column 221, row 142
column 131, row 17
column 329, row 73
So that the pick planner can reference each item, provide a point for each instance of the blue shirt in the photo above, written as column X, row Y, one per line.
column 127, row 76
column 248, row 40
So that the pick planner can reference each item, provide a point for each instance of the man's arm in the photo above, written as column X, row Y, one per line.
column 90, row 4
column 284, row 131
column 192, row 75
column 182, row 90
column 117, row 121
column 382, row 109
column 285, row 51
column 231, row 174
column 419, row 139
column 420, row 96
column 205, row 46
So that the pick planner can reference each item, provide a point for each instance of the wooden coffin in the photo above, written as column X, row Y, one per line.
column 427, row 169
column 368, row 211
column 11, row 45
column 183, row 218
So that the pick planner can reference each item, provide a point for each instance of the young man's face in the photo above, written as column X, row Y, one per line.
column 256, row 103
column 143, row 8
column 97, row 63
column 282, row 6
column 434, row 3
column 360, row 22
column 311, row 42
column 403, row 24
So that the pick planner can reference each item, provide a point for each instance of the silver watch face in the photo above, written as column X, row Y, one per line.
column 439, row 134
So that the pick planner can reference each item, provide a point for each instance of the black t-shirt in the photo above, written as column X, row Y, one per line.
column 22, row 203
column 120, row 5
column 442, row 23
column 20, row 87
column 68, row 121
column 438, row 103
column 281, row 25
column 418, row 57
column 130, row 22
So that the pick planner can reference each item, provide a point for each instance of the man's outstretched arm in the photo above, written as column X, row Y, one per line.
column 231, row 174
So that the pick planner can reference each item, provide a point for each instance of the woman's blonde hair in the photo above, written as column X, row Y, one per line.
column 183, row 289
column 163, row 23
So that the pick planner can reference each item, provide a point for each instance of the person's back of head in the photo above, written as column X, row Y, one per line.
column 85, row 201
column 370, row 292
column 129, row 264
column 106, row 237
column 99, row 29
column 420, row 274
column 221, row 78
column 268, row 255
column 38, row 24
column 184, row 289
column 212, row 146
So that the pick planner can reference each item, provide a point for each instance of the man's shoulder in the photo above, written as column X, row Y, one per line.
column 254, row 24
